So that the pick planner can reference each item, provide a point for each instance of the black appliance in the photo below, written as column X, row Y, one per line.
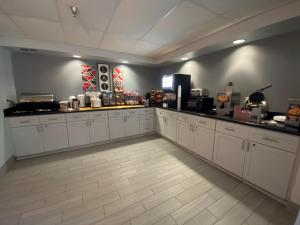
column 200, row 104
column 170, row 85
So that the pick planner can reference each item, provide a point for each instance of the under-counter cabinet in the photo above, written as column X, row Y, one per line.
column 229, row 153
column 146, row 120
column 185, row 136
column 116, row 124
column 132, row 122
column 54, row 136
column 166, row 122
column 78, row 129
column 27, row 140
column 269, row 168
column 98, row 122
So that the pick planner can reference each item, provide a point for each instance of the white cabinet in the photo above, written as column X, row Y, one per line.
column 269, row 168
column 203, row 141
column 166, row 123
column 185, row 134
column 229, row 152
column 99, row 130
column 54, row 136
column 132, row 125
column 146, row 123
column 116, row 127
column 79, row 133
column 27, row 140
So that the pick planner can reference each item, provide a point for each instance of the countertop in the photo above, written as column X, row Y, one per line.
column 278, row 128
column 10, row 113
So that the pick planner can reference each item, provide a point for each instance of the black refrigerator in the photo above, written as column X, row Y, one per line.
column 170, row 85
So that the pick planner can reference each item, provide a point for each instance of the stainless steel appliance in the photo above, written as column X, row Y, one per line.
column 225, row 102
column 200, row 104
column 293, row 113
column 170, row 85
column 199, row 92
column 35, row 103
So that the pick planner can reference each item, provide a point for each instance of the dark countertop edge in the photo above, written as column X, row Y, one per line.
column 285, row 129
column 9, row 114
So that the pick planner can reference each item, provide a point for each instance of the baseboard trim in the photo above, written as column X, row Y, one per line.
column 7, row 166
column 84, row 146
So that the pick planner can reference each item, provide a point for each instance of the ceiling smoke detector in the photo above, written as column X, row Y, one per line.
column 74, row 10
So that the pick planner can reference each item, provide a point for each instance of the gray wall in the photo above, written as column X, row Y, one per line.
column 37, row 73
column 7, row 91
column 275, row 60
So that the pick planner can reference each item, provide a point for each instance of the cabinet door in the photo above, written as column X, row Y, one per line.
column 146, row 123
column 171, row 128
column 116, row 127
column 27, row 140
column 161, row 125
column 204, row 142
column 99, row 130
column 79, row 133
column 55, row 136
column 229, row 153
column 132, row 125
column 184, row 134
column 269, row 168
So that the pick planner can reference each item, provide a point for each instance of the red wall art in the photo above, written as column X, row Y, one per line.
column 88, row 75
column 118, row 78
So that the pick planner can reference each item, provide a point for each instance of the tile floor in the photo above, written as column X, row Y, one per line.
column 147, row 180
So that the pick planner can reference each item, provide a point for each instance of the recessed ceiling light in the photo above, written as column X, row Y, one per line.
column 124, row 61
column 184, row 58
column 77, row 56
column 238, row 42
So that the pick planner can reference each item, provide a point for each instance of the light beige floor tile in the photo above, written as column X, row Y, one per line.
column 163, row 196
column 223, row 205
column 86, row 218
column 122, row 203
column 222, row 189
column 166, row 221
column 203, row 218
column 123, row 216
column 155, row 214
column 240, row 212
column 191, row 209
column 165, row 184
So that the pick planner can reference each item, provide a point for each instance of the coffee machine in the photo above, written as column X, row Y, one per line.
column 170, row 84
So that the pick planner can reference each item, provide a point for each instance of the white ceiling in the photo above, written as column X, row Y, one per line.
column 151, row 28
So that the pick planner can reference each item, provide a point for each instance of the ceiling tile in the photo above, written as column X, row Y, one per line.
column 136, row 17
column 116, row 42
column 39, row 29
column 142, row 48
column 79, row 36
column 8, row 28
column 92, row 14
column 237, row 9
column 40, row 9
column 183, row 20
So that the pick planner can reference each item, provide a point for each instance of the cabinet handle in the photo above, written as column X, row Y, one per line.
column 25, row 121
column 270, row 139
column 248, row 146
column 243, row 146
column 52, row 119
column 202, row 122
column 230, row 129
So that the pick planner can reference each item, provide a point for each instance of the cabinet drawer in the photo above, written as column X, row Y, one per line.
column 53, row 119
column 77, row 116
column 278, row 140
column 24, row 121
column 146, row 111
column 183, row 117
column 116, row 113
column 131, row 112
column 146, row 117
column 98, row 115
column 204, row 122
column 232, row 129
